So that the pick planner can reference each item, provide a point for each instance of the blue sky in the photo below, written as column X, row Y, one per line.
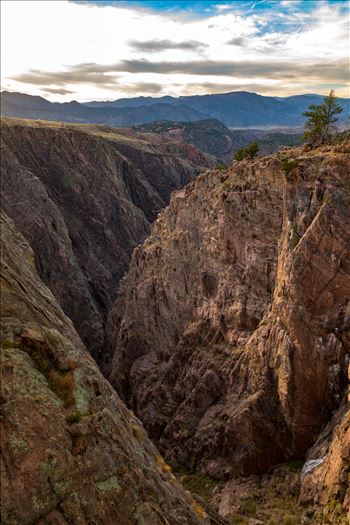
column 110, row 49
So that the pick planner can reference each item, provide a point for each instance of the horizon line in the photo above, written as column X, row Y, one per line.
column 155, row 97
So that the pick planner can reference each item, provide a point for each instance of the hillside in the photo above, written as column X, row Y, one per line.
column 71, row 451
column 84, row 198
column 232, row 327
column 214, row 138
column 237, row 109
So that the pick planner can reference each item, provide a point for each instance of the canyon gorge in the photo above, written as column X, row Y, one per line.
column 156, row 304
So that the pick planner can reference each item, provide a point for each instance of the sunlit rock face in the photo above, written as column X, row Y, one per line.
column 232, row 327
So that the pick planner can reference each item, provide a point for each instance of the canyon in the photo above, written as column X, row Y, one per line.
column 155, row 300
column 84, row 198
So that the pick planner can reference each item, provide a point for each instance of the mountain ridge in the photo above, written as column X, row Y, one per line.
column 234, row 109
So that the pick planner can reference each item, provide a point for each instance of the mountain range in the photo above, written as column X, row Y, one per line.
column 237, row 109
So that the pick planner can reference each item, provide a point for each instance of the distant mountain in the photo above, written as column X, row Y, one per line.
column 237, row 109
column 25, row 106
column 131, row 102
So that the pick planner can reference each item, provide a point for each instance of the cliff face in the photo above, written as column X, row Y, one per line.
column 234, row 339
column 84, row 206
column 326, row 473
column 71, row 451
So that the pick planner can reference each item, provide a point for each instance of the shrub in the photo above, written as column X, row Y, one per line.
column 250, row 152
column 289, row 165
column 74, row 418
column 198, row 509
column 221, row 167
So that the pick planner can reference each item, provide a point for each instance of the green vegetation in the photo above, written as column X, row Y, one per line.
column 249, row 152
column 320, row 127
column 74, row 418
column 109, row 484
column 221, row 167
column 334, row 514
column 289, row 165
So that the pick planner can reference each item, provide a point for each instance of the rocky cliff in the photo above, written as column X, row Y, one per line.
column 232, row 326
column 84, row 198
column 71, row 451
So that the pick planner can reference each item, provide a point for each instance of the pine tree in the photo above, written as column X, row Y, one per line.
column 321, row 119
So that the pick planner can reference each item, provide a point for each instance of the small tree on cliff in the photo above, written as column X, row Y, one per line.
column 321, row 119
column 250, row 152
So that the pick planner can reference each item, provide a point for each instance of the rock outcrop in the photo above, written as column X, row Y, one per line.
column 232, row 326
column 71, row 451
column 326, row 474
column 83, row 206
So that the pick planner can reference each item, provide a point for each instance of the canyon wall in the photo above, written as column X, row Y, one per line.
column 232, row 327
column 83, row 201
column 71, row 451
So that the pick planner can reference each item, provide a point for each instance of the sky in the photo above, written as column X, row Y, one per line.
column 104, row 50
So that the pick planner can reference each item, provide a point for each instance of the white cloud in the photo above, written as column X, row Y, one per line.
column 223, row 7
column 57, row 36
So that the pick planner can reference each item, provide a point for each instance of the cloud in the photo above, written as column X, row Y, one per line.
column 143, row 87
column 92, row 74
column 238, row 41
column 107, row 75
column 155, row 46
column 59, row 91
column 82, row 51
column 332, row 70
column 256, row 3
column 223, row 7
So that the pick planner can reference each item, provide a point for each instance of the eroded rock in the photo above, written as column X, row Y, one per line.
column 232, row 327
column 71, row 451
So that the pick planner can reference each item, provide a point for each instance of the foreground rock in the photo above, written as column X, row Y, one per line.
column 234, row 340
column 82, row 200
column 71, row 451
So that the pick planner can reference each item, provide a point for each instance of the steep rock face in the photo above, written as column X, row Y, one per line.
column 84, row 207
column 71, row 451
column 234, row 339
column 326, row 473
